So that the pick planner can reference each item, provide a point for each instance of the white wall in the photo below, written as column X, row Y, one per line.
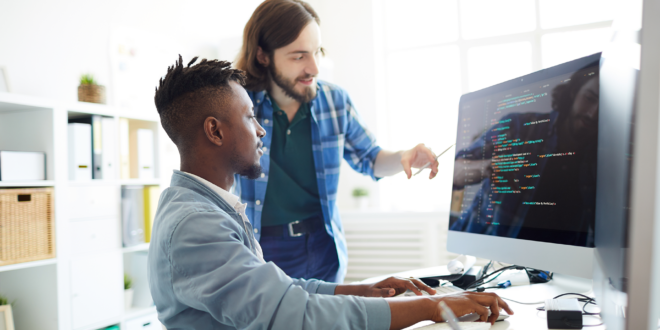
column 352, row 44
column 47, row 45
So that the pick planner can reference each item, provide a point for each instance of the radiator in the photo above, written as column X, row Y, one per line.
column 385, row 243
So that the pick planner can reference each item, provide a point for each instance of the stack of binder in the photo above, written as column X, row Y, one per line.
column 139, row 204
column 137, row 146
column 91, row 148
column 132, row 215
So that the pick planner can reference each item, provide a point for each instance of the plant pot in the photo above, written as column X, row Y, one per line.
column 6, row 317
column 128, row 298
column 91, row 93
column 362, row 203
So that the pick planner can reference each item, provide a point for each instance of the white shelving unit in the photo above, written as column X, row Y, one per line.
column 82, row 288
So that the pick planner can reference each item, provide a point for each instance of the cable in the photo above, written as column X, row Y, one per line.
column 479, row 281
column 523, row 303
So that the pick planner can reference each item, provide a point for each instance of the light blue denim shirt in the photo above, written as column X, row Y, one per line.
column 204, row 274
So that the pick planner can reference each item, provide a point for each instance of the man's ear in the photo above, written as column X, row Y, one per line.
column 213, row 130
column 262, row 57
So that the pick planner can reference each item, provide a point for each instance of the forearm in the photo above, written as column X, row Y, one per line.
column 408, row 311
column 350, row 289
column 388, row 163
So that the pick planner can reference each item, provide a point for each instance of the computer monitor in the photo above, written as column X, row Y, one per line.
column 524, row 185
column 619, row 74
column 618, row 85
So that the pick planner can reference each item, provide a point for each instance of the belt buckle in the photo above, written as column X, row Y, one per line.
column 291, row 233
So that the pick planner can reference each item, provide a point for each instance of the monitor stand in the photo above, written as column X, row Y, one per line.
column 538, row 293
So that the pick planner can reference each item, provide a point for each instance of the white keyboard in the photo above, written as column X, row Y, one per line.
column 440, row 291
column 463, row 325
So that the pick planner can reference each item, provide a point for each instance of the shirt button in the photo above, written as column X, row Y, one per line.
column 263, row 175
column 288, row 132
column 265, row 121
column 256, row 231
column 258, row 202
column 258, row 101
column 264, row 149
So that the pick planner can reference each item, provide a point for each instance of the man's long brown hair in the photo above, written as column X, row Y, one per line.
column 274, row 24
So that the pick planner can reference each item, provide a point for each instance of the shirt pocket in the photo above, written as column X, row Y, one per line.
column 332, row 147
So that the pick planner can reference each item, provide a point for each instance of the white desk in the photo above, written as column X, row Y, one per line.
column 526, row 317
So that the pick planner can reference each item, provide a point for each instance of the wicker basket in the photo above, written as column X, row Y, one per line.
column 91, row 93
column 27, row 225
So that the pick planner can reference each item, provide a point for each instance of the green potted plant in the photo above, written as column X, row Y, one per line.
column 89, row 90
column 6, row 317
column 361, row 196
column 128, row 291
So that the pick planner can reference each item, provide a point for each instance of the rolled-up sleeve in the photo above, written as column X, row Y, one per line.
column 214, row 272
column 315, row 286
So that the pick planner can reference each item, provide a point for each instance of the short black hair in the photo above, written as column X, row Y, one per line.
column 186, row 95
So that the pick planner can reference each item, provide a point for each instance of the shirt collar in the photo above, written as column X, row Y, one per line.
column 230, row 198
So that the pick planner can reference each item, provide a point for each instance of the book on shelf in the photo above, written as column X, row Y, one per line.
column 145, row 148
column 80, row 151
column 96, row 136
column 108, row 130
column 132, row 215
column 124, row 149
column 151, row 196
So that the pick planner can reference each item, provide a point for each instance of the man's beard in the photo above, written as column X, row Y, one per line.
column 289, row 86
column 251, row 172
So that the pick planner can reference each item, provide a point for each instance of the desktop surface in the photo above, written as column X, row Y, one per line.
column 526, row 316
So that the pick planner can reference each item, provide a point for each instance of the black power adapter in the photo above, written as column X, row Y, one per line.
column 468, row 278
column 563, row 314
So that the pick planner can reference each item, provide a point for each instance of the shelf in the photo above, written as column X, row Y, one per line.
column 17, row 102
column 137, row 312
column 93, row 183
column 140, row 115
column 30, row 264
column 17, row 184
column 86, row 108
column 140, row 182
column 136, row 248
column 102, row 325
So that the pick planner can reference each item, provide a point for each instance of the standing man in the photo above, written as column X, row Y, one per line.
column 310, row 126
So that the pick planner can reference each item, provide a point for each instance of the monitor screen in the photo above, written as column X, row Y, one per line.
column 525, row 163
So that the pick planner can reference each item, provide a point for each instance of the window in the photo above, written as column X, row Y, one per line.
column 435, row 50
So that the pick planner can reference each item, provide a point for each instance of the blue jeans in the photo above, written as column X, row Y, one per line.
column 312, row 255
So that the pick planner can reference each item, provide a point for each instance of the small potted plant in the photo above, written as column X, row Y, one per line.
column 128, row 291
column 6, row 317
column 361, row 198
column 90, row 91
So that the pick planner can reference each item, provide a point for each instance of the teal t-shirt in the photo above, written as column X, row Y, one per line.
column 292, row 192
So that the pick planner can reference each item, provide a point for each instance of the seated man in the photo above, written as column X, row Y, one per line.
column 206, row 270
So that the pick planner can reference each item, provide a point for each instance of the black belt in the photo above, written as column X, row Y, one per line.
column 295, row 228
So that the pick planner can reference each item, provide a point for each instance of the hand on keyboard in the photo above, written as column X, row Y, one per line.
column 440, row 291
column 392, row 286
column 471, row 302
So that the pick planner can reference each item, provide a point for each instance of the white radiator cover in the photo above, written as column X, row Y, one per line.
column 389, row 242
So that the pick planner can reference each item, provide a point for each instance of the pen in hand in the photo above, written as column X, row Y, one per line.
column 429, row 163
column 448, row 315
